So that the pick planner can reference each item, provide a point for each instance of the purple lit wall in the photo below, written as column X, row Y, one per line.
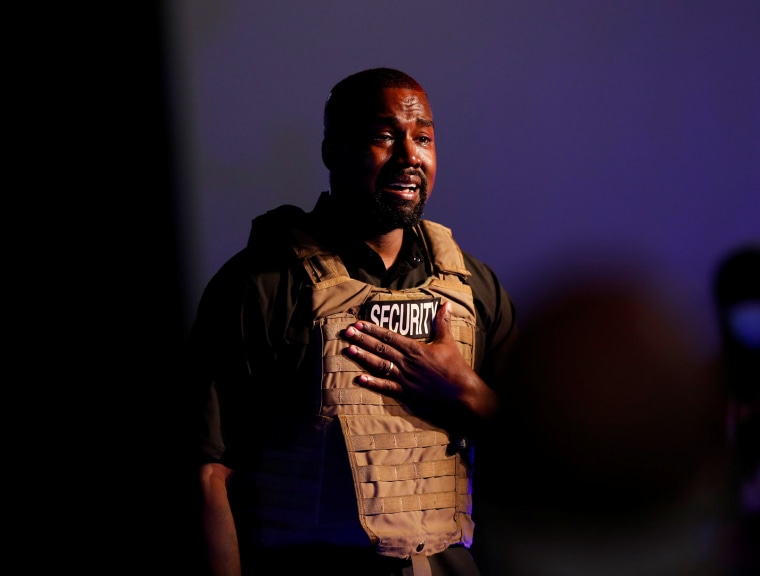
column 591, row 129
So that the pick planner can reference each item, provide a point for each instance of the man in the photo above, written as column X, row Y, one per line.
column 346, row 359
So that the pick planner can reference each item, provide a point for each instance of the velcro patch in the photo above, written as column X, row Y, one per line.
column 411, row 318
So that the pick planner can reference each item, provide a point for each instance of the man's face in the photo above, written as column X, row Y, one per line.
column 384, row 166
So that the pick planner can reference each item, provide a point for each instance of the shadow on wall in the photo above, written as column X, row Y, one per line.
column 610, row 456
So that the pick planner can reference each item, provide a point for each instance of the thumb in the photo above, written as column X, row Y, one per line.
column 443, row 323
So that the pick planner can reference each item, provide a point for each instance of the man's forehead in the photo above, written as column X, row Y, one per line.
column 402, row 102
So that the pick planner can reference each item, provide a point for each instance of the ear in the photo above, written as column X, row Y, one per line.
column 328, row 154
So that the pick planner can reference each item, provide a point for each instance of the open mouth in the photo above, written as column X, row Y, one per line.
column 405, row 189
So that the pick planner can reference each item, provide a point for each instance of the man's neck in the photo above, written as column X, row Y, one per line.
column 388, row 246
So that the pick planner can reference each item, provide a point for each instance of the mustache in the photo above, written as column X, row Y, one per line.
column 392, row 174
column 406, row 172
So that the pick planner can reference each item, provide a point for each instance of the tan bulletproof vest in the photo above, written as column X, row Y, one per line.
column 413, row 491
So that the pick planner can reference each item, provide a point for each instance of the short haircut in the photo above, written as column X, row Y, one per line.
column 350, row 94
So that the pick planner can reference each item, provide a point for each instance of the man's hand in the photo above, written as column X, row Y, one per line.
column 418, row 372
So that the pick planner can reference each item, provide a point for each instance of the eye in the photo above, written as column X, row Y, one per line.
column 383, row 137
column 424, row 140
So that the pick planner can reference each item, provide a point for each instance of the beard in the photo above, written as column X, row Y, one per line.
column 379, row 212
column 391, row 213
column 388, row 213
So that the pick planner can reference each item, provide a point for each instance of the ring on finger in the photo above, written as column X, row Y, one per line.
column 390, row 367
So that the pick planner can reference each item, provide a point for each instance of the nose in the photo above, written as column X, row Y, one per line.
column 407, row 152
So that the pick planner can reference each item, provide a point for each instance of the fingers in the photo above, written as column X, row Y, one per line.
column 385, row 354
column 383, row 343
column 381, row 338
column 380, row 366
column 442, row 325
column 382, row 385
column 382, row 373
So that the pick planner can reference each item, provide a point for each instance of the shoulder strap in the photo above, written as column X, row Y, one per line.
column 444, row 252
